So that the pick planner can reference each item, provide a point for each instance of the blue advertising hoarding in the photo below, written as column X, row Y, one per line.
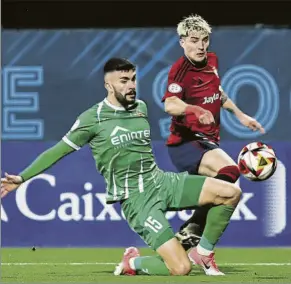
column 65, row 206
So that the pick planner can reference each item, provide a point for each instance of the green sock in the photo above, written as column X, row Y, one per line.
column 217, row 220
column 150, row 265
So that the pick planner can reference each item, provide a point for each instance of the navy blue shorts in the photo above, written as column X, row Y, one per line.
column 187, row 156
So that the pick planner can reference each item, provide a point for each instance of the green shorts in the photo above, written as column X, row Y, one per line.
column 145, row 212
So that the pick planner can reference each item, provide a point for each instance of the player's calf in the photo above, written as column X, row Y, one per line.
column 172, row 260
column 225, row 196
column 215, row 192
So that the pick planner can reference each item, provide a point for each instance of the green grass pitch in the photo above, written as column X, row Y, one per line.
column 96, row 265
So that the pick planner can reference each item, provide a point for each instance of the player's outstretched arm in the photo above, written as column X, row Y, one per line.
column 244, row 119
column 39, row 165
column 176, row 107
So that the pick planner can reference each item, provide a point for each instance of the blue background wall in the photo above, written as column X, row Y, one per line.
column 49, row 77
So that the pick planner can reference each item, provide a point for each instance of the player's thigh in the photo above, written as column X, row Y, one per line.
column 214, row 160
column 200, row 190
column 147, row 218
column 187, row 156
column 187, row 195
column 175, row 257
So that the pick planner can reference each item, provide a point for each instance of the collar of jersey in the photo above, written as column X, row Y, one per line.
column 113, row 106
column 195, row 67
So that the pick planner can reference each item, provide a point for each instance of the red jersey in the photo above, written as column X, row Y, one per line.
column 199, row 87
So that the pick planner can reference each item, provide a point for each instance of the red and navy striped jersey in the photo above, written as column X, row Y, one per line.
column 199, row 87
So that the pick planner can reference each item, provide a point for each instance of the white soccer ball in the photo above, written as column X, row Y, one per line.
column 257, row 161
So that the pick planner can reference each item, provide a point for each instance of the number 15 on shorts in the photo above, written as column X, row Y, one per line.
column 153, row 224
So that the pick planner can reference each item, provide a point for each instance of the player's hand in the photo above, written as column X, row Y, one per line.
column 10, row 183
column 204, row 116
column 251, row 123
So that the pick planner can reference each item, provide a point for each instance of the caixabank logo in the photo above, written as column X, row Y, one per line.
column 88, row 204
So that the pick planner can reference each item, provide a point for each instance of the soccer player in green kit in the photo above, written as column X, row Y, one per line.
column 118, row 132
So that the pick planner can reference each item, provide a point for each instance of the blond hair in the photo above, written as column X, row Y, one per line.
column 193, row 23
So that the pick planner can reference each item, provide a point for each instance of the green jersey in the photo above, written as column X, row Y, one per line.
column 121, row 146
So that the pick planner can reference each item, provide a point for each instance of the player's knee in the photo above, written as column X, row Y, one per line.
column 182, row 268
column 229, row 173
column 237, row 193
column 234, row 194
column 219, row 192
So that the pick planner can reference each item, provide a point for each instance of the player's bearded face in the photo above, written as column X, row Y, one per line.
column 195, row 45
column 125, row 88
column 125, row 99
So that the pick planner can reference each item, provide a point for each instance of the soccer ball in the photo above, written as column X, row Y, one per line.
column 257, row 161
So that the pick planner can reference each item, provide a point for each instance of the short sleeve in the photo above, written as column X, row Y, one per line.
column 175, row 84
column 143, row 107
column 81, row 132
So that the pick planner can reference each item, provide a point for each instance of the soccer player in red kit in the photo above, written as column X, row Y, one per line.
column 194, row 98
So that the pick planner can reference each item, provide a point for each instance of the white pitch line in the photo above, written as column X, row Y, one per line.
column 54, row 263
column 113, row 263
column 258, row 264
